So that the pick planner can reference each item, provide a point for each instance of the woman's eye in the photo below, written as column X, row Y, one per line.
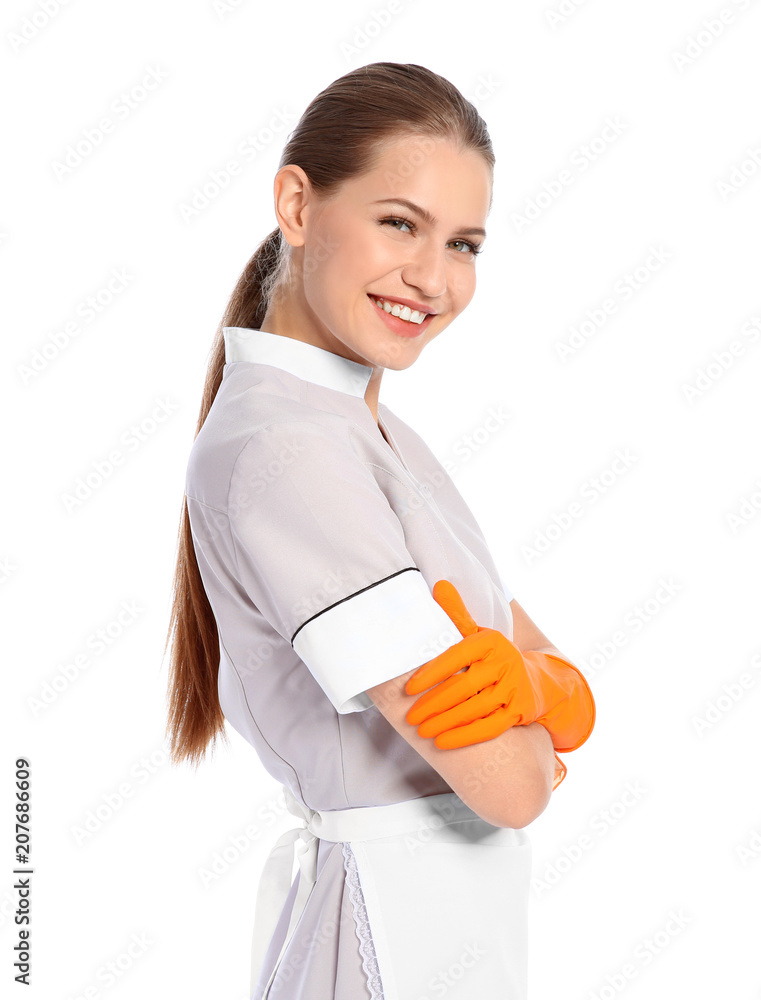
column 402, row 222
column 468, row 247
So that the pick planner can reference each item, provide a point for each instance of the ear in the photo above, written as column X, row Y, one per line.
column 293, row 196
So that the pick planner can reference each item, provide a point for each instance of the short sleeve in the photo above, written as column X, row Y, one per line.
column 322, row 555
column 508, row 593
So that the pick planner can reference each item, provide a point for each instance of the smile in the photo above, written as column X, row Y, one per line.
column 400, row 311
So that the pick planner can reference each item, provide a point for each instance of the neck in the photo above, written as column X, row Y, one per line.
column 285, row 317
column 372, row 392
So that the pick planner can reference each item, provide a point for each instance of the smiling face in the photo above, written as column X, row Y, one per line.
column 356, row 246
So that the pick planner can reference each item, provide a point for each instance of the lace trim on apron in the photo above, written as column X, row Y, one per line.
column 361, row 925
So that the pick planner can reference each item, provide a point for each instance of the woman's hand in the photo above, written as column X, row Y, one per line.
column 500, row 688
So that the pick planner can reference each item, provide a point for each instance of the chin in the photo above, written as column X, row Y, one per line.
column 401, row 366
column 399, row 361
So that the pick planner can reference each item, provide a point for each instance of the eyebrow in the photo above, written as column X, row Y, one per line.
column 427, row 217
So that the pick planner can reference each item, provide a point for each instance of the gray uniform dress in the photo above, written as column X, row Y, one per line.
column 318, row 542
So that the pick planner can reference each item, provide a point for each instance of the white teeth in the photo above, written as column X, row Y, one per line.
column 403, row 312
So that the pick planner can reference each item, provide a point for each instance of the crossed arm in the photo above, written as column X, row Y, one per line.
column 507, row 781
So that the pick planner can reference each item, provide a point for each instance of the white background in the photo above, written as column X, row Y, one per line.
column 688, row 840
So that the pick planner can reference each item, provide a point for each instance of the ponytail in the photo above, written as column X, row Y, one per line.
column 195, row 718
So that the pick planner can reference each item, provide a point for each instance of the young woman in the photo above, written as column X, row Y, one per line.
column 335, row 599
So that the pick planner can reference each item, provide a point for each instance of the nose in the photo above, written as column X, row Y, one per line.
column 426, row 269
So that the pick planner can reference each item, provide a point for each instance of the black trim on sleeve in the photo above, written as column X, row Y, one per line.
column 317, row 615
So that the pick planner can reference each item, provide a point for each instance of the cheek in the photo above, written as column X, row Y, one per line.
column 463, row 286
column 342, row 261
column 323, row 270
column 321, row 253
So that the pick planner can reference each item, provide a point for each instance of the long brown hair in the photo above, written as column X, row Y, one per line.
column 338, row 137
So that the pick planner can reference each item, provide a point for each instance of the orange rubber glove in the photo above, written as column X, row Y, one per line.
column 501, row 687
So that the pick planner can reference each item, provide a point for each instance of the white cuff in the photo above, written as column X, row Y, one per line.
column 380, row 632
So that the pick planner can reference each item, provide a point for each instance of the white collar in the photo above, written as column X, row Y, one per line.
column 305, row 361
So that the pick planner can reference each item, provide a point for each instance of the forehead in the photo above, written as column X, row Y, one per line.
column 427, row 170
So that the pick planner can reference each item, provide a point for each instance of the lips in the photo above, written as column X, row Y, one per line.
column 411, row 303
column 402, row 327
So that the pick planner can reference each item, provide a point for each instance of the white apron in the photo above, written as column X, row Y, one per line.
column 446, row 895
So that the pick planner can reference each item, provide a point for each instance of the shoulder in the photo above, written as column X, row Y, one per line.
column 250, row 434
column 310, row 444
